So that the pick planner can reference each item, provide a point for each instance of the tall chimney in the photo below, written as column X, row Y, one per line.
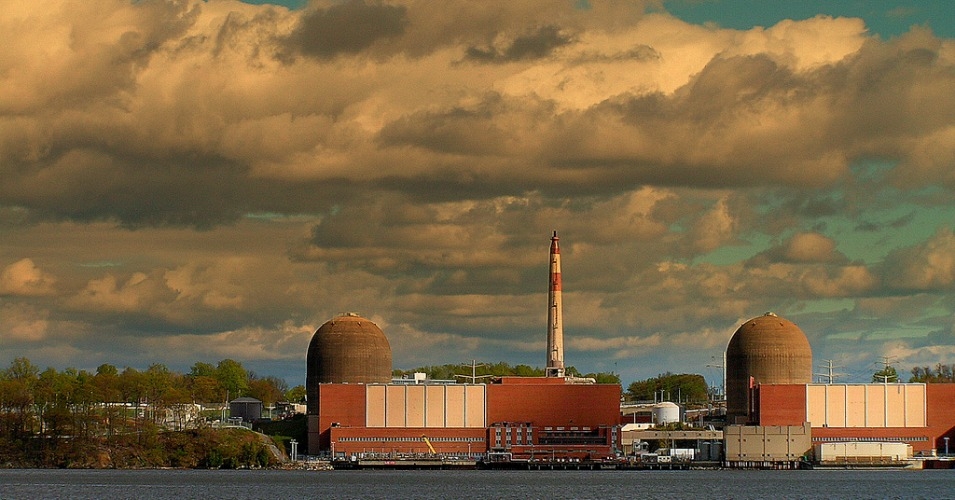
column 555, row 322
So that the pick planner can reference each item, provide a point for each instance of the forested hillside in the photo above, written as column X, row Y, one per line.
column 128, row 418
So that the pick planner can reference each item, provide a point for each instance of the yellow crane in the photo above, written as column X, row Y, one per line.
column 427, row 442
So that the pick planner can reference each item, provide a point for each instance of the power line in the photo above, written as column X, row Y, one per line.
column 885, row 375
column 474, row 376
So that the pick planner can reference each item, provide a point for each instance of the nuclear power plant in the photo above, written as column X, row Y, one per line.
column 778, row 418
column 764, row 350
column 348, row 349
column 355, row 409
column 775, row 416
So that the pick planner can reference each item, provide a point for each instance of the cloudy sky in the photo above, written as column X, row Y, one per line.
column 187, row 181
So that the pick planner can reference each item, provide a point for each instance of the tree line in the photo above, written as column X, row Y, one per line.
column 683, row 387
column 668, row 386
column 481, row 371
column 52, row 417
column 941, row 373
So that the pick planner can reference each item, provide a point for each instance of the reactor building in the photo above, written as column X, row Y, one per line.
column 356, row 409
column 764, row 350
column 775, row 413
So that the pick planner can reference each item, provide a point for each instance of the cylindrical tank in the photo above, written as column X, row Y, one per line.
column 666, row 413
column 346, row 349
column 764, row 350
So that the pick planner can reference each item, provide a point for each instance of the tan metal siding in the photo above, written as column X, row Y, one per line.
column 435, row 406
column 375, row 406
column 866, row 405
column 395, row 409
column 455, row 408
column 475, row 412
column 915, row 406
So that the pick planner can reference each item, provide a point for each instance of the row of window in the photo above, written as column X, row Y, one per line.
column 520, row 430
column 519, row 441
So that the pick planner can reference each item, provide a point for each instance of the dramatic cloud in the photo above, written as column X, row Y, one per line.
column 24, row 278
column 188, row 180
column 927, row 266
column 346, row 28
column 533, row 46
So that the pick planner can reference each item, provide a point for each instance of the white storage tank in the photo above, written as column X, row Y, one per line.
column 666, row 413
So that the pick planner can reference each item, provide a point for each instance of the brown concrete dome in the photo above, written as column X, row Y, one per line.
column 771, row 350
column 347, row 349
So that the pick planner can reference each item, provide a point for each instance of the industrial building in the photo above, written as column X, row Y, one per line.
column 355, row 409
column 768, row 379
column 919, row 415
column 764, row 350
column 775, row 416
column 519, row 416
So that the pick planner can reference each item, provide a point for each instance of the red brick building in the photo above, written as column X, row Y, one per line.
column 523, row 416
column 922, row 415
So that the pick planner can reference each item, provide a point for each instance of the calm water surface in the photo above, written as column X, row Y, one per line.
column 179, row 485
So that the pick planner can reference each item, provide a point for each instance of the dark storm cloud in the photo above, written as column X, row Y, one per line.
column 375, row 168
column 91, row 185
column 346, row 28
column 747, row 120
column 479, row 130
column 201, row 191
column 638, row 53
column 536, row 45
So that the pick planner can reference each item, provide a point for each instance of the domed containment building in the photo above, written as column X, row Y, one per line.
column 347, row 349
column 764, row 350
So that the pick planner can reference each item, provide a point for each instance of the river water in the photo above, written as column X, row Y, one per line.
column 243, row 484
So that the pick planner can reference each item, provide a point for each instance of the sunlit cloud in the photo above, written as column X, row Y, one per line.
column 192, row 179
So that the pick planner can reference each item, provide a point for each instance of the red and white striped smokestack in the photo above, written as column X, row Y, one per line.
column 555, row 323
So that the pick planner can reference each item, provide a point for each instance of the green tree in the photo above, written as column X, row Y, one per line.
column 201, row 369
column 107, row 384
column 268, row 389
column 205, row 389
column 22, row 369
column 108, row 392
column 684, row 387
column 17, row 399
column 886, row 375
column 131, row 385
column 295, row 394
column 233, row 378
column 940, row 374
column 107, row 370
column 157, row 381
column 528, row 371
column 604, row 378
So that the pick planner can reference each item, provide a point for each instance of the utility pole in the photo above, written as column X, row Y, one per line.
column 722, row 366
column 830, row 375
column 474, row 376
column 885, row 370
